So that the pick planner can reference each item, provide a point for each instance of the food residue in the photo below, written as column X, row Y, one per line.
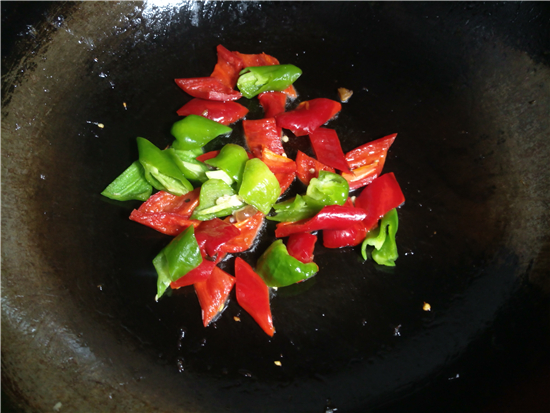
column 345, row 94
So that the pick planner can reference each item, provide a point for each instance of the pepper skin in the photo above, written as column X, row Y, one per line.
column 129, row 185
column 253, row 295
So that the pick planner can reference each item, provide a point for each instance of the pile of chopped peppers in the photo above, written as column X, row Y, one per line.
column 215, row 203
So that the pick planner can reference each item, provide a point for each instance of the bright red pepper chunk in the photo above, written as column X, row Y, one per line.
column 327, row 148
column 370, row 152
column 165, row 202
column 284, row 168
column 273, row 103
column 277, row 163
column 263, row 133
column 379, row 197
column 213, row 294
column 301, row 246
column 201, row 273
column 253, row 295
column 228, row 67
column 212, row 234
column 208, row 88
column 260, row 59
column 330, row 217
column 221, row 112
column 249, row 230
column 308, row 168
column 349, row 237
column 308, row 116
column 165, row 222
column 168, row 213
column 367, row 161
column 362, row 176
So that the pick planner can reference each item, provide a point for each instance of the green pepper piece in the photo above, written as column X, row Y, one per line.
column 328, row 189
column 279, row 269
column 187, row 163
column 195, row 131
column 216, row 199
column 259, row 186
column 130, row 184
column 257, row 79
column 382, row 239
column 294, row 209
column 231, row 159
column 177, row 259
column 161, row 170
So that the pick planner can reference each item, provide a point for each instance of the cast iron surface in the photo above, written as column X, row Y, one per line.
column 466, row 87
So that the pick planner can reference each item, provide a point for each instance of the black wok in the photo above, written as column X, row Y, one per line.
column 465, row 85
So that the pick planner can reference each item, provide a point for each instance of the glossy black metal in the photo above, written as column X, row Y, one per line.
column 466, row 87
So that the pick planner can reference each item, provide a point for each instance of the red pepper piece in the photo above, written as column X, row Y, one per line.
column 201, row 273
column 379, row 197
column 260, row 59
column 301, row 246
column 370, row 152
column 330, row 217
column 308, row 116
column 168, row 213
column 213, row 294
column 277, row 163
column 212, row 234
column 291, row 92
column 327, row 148
column 367, row 161
column 228, row 67
column 253, row 295
column 222, row 112
column 208, row 88
column 285, row 180
column 273, row 103
column 208, row 155
column 362, row 176
column 284, row 168
column 249, row 229
column 165, row 222
column 263, row 133
column 165, row 202
column 349, row 237
column 308, row 168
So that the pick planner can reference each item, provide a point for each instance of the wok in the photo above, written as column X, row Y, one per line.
column 465, row 86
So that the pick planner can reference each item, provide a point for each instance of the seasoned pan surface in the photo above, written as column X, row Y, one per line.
column 465, row 86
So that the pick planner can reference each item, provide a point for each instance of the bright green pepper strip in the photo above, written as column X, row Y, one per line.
column 328, row 189
column 231, row 159
column 216, row 199
column 177, row 259
column 195, row 131
column 257, row 79
column 279, row 269
column 161, row 170
column 130, row 184
column 259, row 187
column 382, row 239
column 192, row 169
column 294, row 209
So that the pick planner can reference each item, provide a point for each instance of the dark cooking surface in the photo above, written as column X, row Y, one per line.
column 466, row 90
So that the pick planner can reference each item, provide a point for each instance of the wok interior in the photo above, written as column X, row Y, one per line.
column 471, row 113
